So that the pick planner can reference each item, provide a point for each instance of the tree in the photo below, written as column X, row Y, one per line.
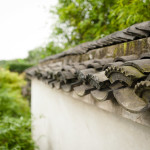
column 128, row 12
column 35, row 55
column 80, row 21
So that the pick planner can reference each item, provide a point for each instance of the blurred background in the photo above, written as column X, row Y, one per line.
column 31, row 30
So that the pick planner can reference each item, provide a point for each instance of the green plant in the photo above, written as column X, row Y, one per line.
column 125, row 13
column 15, row 134
column 81, row 21
column 35, row 55
column 19, row 66
column 15, row 122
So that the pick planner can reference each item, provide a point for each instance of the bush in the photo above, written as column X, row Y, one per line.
column 15, row 134
column 18, row 67
column 15, row 123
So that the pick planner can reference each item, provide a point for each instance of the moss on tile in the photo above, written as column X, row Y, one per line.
column 115, row 52
column 125, row 49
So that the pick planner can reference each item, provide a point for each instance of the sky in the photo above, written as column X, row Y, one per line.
column 24, row 25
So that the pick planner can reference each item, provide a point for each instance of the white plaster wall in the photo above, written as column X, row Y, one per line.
column 61, row 122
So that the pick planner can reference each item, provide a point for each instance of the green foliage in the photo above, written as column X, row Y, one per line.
column 15, row 124
column 80, row 21
column 51, row 49
column 126, row 12
column 15, row 134
column 34, row 56
column 18, row 67
column 11, row 100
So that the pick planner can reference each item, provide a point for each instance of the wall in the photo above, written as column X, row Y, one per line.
column 61, row 122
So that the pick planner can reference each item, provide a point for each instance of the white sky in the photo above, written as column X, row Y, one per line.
column 24, row 25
